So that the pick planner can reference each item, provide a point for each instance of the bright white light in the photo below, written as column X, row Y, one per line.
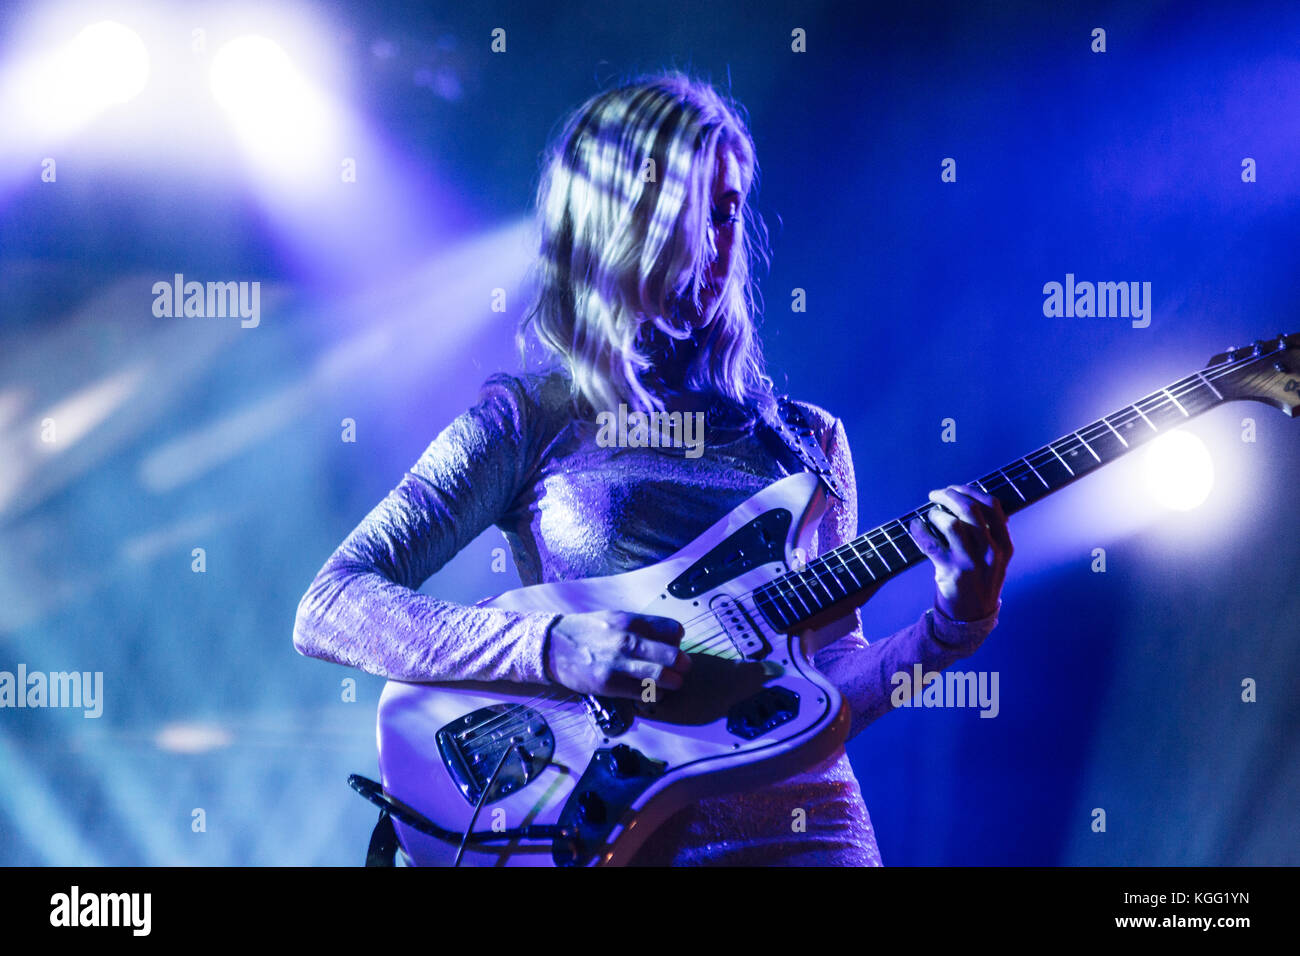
column 250, row 73
column 192, row 738
column 104, row 65
column 1178, row 470
column 281, row 118
column 107, row 63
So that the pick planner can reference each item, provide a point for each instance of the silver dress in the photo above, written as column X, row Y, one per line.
column 571, row 508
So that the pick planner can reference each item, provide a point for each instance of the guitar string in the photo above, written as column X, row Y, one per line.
column 706, row 645
column 998, row 479
column 563, row 720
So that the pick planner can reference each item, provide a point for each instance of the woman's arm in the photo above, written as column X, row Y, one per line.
column 363, row 609
column 863, row 671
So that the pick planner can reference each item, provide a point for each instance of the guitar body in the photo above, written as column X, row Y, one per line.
column 603, row 773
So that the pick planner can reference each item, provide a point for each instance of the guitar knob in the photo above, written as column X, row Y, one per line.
column 591, row 809
column 623, row 761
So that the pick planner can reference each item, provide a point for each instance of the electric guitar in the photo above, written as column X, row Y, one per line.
column 499, row 774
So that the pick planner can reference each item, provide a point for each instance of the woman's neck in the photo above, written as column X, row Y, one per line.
column 671, row 359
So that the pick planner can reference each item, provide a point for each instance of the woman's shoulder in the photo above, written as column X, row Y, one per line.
column 539, row 400
column 533, row 386
column 822, row 422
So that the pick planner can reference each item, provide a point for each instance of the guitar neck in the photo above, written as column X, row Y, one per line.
column 844, row 575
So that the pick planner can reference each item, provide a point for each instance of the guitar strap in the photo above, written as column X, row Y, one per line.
column 796, row 442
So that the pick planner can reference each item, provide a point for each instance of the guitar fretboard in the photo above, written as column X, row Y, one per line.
column 841, row 575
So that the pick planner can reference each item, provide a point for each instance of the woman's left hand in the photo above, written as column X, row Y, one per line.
column 970, row 554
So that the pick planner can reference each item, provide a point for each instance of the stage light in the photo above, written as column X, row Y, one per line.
column 108, row 63
column 391, row 343
column 281, row 118
column 1178, row 471
column 104, row 65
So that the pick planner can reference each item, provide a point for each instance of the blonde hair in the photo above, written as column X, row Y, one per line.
column 624, row 210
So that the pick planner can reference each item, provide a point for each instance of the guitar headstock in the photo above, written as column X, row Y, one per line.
column 1268, row 371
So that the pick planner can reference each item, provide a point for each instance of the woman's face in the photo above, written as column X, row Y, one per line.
column 724, row 218
column 724, row 223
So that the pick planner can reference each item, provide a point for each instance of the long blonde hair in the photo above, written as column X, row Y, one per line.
column 624, row 209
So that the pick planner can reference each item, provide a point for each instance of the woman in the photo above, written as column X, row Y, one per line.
column 644, row 299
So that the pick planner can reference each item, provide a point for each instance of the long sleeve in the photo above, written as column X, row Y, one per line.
column 863, row 671
column 363, row 609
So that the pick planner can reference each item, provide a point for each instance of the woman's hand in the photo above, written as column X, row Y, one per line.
column 971, row 553
column 612, row 652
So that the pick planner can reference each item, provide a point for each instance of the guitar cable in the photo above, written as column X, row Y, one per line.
column 374, row 792
column 518, row 751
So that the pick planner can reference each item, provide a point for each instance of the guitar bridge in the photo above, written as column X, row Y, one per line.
column 473, row 745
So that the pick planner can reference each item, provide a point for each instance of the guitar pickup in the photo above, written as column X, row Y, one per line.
column 745, row 637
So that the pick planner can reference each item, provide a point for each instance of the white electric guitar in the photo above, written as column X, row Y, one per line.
column 527, row 775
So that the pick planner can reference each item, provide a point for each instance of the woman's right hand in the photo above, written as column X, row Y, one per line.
column 611, row 653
